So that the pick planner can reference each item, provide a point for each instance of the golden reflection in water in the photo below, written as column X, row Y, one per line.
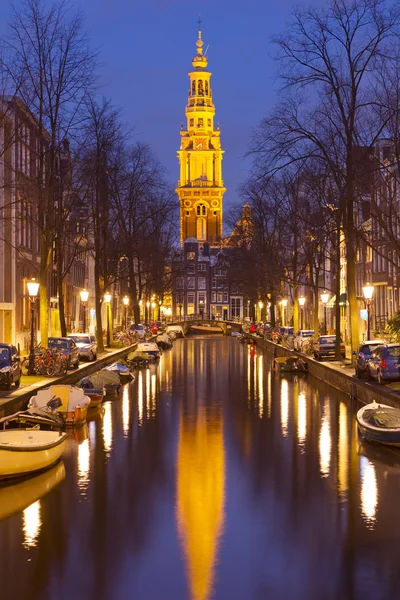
column 107, row 427
column 153, row 394
column 200, row 497
column 260, row 386
column 369, row 492
column 148, row 380
column 343, row 451
column 269, row 397
column 249, row 374
column 284, row 407
column 325, row 441
column 125, row 410
column 32, row 524
column 301, row 420
column 140, row 398
column 83, row 465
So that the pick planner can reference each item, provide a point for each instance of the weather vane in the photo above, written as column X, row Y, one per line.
column 199, row 21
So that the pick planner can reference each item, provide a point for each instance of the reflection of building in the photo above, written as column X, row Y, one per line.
column 201, row 496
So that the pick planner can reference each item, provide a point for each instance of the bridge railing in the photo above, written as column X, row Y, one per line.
column 203, row 317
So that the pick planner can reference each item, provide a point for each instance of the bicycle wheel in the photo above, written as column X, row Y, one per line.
column 25, row 365
column 50, row 367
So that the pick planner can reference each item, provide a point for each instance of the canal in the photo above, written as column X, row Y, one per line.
column 209, row 478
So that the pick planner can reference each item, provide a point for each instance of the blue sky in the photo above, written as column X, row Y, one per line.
column 146, row 49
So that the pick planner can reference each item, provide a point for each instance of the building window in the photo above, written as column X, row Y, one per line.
column 235, row 307
column 200, row 123
column 201, row 210
column 191, row 283
column 190, row 255
column 213, row 297
column 214, row 283
column 219, row 297
column 200, row 88
column 201, row 267
column 220, row 283
column 201, row 229
column 190, row 269
column 187, row 213
column 225, row 296
column 193, row 88
column 201, row 283
column 209, row 122
column 190, row 298
column 191, row 122
column 179, row 283
column 206, row 87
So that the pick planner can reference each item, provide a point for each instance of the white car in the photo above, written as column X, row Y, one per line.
column 303, row 336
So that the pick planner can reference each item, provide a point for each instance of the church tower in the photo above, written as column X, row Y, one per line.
column 200, row 186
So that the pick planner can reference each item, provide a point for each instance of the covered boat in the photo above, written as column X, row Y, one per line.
column 122, row 369
column 74, row 402
column 163, row 341
column 96, row 394
column 150, row 348
column 138, row 359
column 25, row 451
column 110, row 380
column 290, row 364
column 379, row 423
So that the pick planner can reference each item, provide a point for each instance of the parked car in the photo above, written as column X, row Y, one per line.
column 10, row 366
column 384, row 363
column 68, row 349
column 364, row 354
column 286, row 331
column 325, row 347
column 303, row 335
column 87, row 345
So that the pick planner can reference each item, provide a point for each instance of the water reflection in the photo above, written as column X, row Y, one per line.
column 32, row 523
column 107, row 427
column 125, row 410
column 325, row 441
column 260, row 366
column 83, row 465
column 369, row 492
column 201, row 496
column 301, row 420
column 140, row 397
column 343, row 452
column 284, row 407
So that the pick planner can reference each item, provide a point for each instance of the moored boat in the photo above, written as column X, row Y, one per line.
column 109, row 380
column 25, row 451
column 163, row 341
column 290, row 364
column 74, row 402
column 150, row 348
column 138, row 359
column 123, row 371
column 379, row 423
column 96, row 394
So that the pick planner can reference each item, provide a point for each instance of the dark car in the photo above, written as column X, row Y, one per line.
column 384, row 363
column 10, row 366
column 325, row 347
column 68, row 349
column 364, row 354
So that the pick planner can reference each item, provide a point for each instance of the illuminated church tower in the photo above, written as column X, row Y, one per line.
column 200, row 186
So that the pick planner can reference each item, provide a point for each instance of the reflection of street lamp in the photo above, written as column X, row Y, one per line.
column 125, row 300
column 283, row 303
column 368, row 291
column 107, row 298
column 302, row 302
column 324, row 300
column 33, row 288
column 84, row 294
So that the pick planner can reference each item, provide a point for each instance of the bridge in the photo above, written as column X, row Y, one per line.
column 225, row 326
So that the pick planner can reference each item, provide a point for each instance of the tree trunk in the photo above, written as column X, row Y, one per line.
column 60, row 290
column 44, row 292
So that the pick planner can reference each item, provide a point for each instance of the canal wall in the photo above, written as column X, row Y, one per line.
column 19, row 398
column 337, row 377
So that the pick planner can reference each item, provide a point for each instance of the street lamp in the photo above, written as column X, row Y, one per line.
column 107, row 298
column 324, row 300
column 302, row 302
column 125, row 300
column 84, row 294
column 33, row 288
column 368, row 291
column 283, row 303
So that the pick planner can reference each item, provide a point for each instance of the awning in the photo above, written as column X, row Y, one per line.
column 342, row 301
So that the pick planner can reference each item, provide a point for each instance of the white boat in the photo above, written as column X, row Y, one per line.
column 380, row 423
column 74, row 402
column 176, row 329
column 18, row 496
column 150, row 348
column 25, row 451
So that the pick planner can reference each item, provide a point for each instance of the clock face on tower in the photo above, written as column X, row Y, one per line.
column 200, row 143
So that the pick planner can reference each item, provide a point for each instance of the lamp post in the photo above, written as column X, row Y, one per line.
column 153, row 305
column 107, row 298
column 368, row 291
column 140, row 310
column 125, row 300
column 33, row 288
column 84, row 294
column 260, row 306
column 147, row 312
column 324, row 300
column 302, row 302
column 284, row 305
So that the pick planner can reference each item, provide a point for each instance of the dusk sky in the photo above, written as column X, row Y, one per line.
column 146, row 50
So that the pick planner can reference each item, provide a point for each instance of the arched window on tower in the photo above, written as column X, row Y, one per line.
column 206, row 87
column 200, row 87
column 201, row 210
column 193, row 88
column 201, row 229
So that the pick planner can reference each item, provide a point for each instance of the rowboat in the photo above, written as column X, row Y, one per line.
column 25, row 451
column 74, row 403
column 16, row 497
column 379, row 423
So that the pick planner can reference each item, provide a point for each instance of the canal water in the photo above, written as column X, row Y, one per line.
column 210, row 477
